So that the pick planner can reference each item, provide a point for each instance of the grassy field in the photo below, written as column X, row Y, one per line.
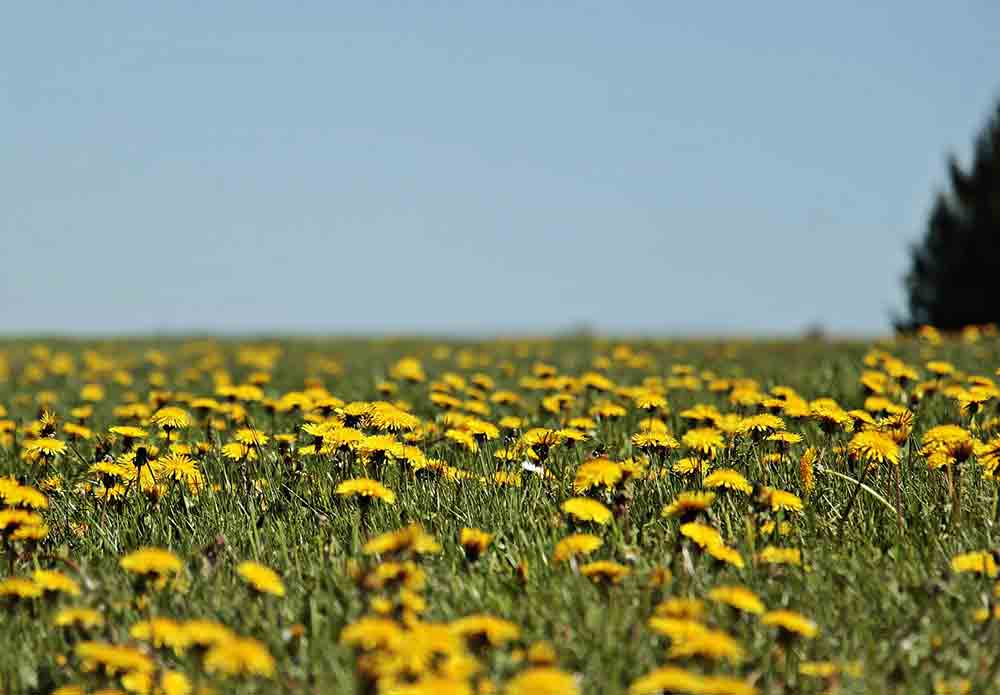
column 522, row 517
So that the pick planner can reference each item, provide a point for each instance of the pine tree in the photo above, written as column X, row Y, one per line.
column 955, row 277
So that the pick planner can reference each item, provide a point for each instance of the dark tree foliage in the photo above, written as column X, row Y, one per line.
column 955, row 277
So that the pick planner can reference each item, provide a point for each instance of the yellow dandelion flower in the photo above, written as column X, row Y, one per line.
column 56, row 582
column 702, row 534
column 728, row 479
column 112, row 658
column 599, row 472
column 806, row 466
column 790, row 622
column 542, row 681
column 713, row 645
column 487, row 628
column 13, row 519
column 18, row 587
column 739, row 597
column 872, row 446
column 240, row 656
column 206, row 633
column 772, row 555
column 575, row 545
column 161, row 632
column 412, row 538
column 704, row 441
column 128, row 432
column 980, row 562
column 584, row 509
column 86, row 618
column 366, row 488
column 24, row 496
column 171, row 418
column 680, row 607
column 654, row 441
column 690, row 465
column 474, row 541
column 669, row 679
column 261, row 578
column 369, row 633
column 46, row 446
column 151, row 561
column 781, row 500
column 724, row 553
column 604, row 571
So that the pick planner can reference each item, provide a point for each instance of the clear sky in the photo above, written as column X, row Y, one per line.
column 476, row 167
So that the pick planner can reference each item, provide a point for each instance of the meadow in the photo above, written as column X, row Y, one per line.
column 521, row 517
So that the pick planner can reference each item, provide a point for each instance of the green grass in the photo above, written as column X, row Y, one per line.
column 882, row 594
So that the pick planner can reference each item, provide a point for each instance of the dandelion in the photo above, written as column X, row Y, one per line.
column 649, row 401
column 738, row 597
column 681, row 607
column 240, row 656
column 151, row 563
column 182, row 469
column 829, row 669
column 725, row 554
column 366, row 488
column 113, row 659
column 702, row 534
column 486, row 629
column 605, row 572
column 784, row 440
column 129, row 434
column 54, row 582
column 599, row 472
column 168, row 683
column 542, row 681
column 772, row 555
column 830, row 416
column 583, row 509
column 84, row 618
column 690, row 465
column 653, row 442
column 171, row 418
column 206, row 633
column 261, row 578
column 46, row 447
column 704, row 441
column 408, row 369
column 19, row 588
column 161, row 632
column 713, row 645
column 371, row 633
column 979, row 562
column 474, row 542
column 385, row 416
column 897, row 426
column 806, row 466
column 576, row 545
column 760, row 426
column 669, row 679
column 411, row 539
column 790, row 623
column 781, row 500
column 872, row 446
column 953, row 441
column 11, row 520
column 728, row 479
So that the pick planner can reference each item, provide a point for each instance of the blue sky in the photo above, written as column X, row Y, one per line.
column 477, row 167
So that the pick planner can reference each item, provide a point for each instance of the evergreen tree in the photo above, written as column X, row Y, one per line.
column 955, row 277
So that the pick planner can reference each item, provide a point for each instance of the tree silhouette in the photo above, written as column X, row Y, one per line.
column 954, row 280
